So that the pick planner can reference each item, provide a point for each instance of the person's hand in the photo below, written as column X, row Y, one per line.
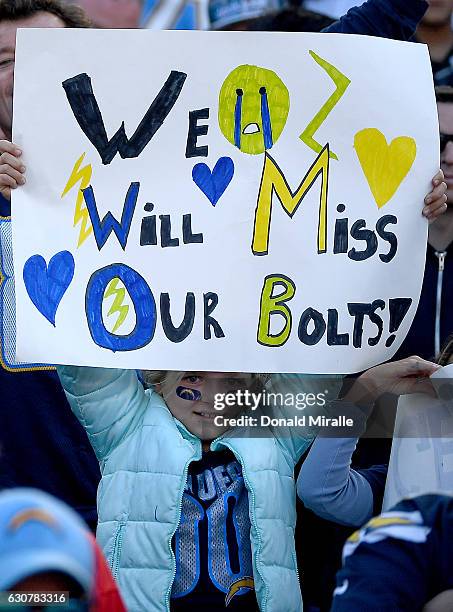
column 11, row 168
column 436, row 200
column 403, row 377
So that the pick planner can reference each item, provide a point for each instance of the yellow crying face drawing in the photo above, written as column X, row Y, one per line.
column 253, row 108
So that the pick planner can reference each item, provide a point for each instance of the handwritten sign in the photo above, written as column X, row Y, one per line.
column 220, row 201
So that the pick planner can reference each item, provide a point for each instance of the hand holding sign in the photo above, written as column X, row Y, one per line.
column 403, row 377
column 11, row 168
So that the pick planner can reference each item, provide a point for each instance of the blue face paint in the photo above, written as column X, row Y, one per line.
column 238, row 118
column 266, row 119
column 192, row 395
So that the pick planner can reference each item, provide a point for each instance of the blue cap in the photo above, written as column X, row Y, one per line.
column 39, row 534
column 223, row 13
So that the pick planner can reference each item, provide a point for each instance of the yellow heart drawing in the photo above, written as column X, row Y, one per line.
column 384, row 166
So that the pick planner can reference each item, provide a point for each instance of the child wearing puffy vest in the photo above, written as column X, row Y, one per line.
column 194, row 515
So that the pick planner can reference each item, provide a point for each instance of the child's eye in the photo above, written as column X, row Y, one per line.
column 193, row 380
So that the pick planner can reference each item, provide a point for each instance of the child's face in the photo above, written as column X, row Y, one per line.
column 191, row 401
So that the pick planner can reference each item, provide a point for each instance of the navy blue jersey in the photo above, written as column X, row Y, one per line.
column 212, row 544
column 400, row 560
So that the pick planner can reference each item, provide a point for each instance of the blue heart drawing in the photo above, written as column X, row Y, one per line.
column 213, row 184
column 46, row 285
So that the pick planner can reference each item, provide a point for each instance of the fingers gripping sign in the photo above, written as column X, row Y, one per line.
column 11, row 168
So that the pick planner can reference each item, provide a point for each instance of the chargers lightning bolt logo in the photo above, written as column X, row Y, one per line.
column 244, row 583
column 117, row 305
column 82, row 176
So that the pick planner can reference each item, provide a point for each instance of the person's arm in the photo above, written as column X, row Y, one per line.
column 328, row 485
column 395, row 19
column 108, row 403
column 333, row 490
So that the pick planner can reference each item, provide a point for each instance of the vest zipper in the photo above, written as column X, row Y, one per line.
column 117, row 545
column 195, row 457
column 252, row 518
column 440, row 275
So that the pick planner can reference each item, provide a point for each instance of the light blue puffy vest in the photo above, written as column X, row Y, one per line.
column 144, row 455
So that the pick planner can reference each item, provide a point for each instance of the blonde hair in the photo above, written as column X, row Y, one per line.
column 165, row 380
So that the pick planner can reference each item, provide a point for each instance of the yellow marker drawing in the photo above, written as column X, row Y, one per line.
column 243, row 583
column 342, row 83
column 273, row 181
column 80, row 213
column 384, row 166
column 117, row 305
column 253, row 108
column 270, row 305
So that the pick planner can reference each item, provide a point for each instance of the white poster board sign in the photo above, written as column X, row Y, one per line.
column 220, row 201
column 421, row 460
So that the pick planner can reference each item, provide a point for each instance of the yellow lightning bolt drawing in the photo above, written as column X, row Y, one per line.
column 117, row 305
column 342, row 83
column 80, row 213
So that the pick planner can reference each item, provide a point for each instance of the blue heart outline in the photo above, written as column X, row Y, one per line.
column 46, row 285
column 213, row 184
